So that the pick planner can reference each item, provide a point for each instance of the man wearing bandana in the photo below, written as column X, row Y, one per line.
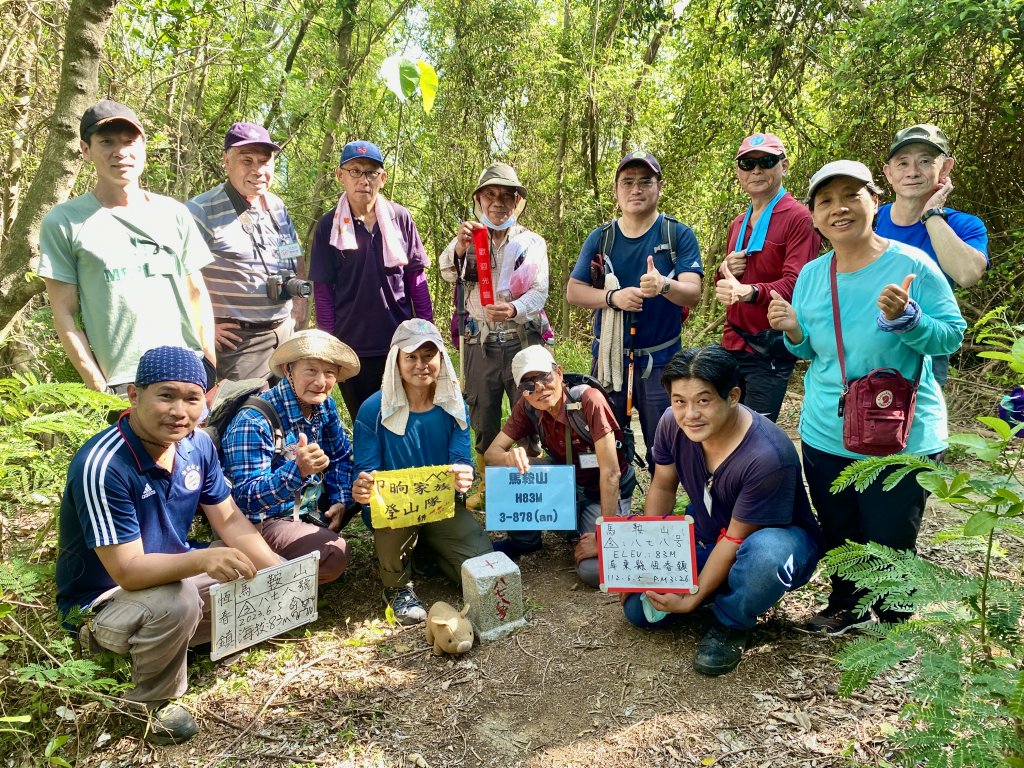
column 493, row 334
column 768, row 246
column 127, row 574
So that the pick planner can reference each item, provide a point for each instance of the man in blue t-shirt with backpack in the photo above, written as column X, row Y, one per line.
column 638, row 273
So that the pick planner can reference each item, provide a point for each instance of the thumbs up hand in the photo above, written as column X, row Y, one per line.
column 782, row 317
column 309, row 457
column 729, row 290
column 652, row 283
column 893, row 298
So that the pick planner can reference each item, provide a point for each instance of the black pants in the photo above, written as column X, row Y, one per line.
column 763, row 381
column 892, row 518
column 358, row 389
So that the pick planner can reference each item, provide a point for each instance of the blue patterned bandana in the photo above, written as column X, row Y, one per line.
column 170, row 364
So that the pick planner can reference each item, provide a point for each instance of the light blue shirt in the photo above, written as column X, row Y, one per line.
column 940, row 332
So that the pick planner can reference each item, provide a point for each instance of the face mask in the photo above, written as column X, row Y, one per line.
column 510, row 221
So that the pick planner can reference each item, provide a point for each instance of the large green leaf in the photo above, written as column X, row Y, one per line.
column 409, row 76
column 981, row 523
column 428, row 84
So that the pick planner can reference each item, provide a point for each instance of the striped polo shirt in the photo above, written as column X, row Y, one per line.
column 116, row 494
column 242, row 261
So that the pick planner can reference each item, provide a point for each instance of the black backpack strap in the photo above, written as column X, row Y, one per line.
column 607, row 242
column 268, row 411
column 668, row 237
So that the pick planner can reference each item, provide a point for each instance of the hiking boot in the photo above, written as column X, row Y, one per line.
column 516, row 549
column 169, row 723
column 836, row 621
column 720, row 650
column 405, row 604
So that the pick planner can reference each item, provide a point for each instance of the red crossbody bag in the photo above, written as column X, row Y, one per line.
column 878, row 408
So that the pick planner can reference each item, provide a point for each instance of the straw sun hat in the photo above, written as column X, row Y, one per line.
column 317, row 344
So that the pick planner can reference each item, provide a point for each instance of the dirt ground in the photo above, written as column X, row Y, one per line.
column 578, row 686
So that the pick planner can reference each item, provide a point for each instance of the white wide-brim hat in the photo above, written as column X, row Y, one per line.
column 317, row 344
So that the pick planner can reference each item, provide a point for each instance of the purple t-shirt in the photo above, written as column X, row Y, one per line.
column 363, row 301
column 758, row 483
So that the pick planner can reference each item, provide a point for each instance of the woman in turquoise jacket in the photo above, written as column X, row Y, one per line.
column 896, row 310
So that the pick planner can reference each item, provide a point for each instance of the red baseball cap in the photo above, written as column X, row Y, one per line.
column 768, row 143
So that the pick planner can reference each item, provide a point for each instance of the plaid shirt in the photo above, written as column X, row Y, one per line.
column 265, row 485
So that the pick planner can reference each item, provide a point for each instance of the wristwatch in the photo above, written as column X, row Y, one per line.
column 664, row 287
column 754, row 294
column 934, row 212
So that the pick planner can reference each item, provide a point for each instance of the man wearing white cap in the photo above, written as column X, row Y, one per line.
column 768, row 246
column 282, row 491
column 493, row 334
column 123, row 259
column 604, row 478
column 256, row 280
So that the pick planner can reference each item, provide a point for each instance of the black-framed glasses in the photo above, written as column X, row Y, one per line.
column 766, row 162
column 527, row 386
column 355, row 173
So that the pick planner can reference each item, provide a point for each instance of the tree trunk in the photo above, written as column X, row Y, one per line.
column 275, row 105
column 563, row 143
column 15, row 155
column 87, row 25
column 649, row 57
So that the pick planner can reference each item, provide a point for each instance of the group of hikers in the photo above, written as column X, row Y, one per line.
column 166, row 303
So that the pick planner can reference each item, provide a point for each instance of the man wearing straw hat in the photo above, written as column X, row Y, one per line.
column 283, row 492
column 494, row 334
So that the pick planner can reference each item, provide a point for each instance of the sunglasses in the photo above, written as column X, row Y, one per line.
column 766, row 162
column 527, row 386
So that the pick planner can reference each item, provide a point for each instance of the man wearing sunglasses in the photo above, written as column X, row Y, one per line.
column 768, row 245
column 604, row 479
column 367, row 264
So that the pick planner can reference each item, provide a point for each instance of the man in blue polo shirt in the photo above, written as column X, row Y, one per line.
column 644, row 282
column 918, row 170
column 123, row 557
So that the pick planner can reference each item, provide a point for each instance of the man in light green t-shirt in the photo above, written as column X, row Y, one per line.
column 124, row 259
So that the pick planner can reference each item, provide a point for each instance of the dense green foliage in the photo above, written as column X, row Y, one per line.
column 560, row 90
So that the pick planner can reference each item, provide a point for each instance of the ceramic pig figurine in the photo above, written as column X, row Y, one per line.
column 448, row 630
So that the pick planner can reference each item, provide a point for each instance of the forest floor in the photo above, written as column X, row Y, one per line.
column 578, row 686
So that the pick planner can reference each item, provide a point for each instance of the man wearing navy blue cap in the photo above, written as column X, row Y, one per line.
column 367, row 264
column 638, row 272
column 257, row 277
column 123, row 557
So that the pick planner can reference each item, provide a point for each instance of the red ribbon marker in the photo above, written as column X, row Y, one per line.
column 482, row 245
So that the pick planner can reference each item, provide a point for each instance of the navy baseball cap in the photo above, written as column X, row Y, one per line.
column 361, row 149
column 243, row 134
column 107, row 111
column 639, row 156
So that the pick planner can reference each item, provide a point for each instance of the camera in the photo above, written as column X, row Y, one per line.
column 284, row 285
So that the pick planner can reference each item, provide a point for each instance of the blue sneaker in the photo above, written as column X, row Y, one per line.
column 406, row 605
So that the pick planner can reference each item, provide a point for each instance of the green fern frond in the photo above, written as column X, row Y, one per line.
column 864, row 472
column 866, row 658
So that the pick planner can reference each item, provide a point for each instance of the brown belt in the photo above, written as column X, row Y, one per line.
column 245, row 325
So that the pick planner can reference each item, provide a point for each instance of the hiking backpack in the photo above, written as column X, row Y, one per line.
column 577, row 384
column 232, row 397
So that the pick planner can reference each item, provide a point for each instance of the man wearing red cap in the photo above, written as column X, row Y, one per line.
column 128, row 260
column 256, row 279
column 768, row 246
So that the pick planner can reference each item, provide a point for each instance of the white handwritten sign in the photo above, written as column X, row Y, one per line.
column 543, row 499
column 637, row 554
column 276, row 599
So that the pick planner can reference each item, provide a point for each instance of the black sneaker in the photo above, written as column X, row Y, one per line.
column 836, row 621
column 407, row 607
column 169, row 723
column 720, row 650
column 515, row 549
